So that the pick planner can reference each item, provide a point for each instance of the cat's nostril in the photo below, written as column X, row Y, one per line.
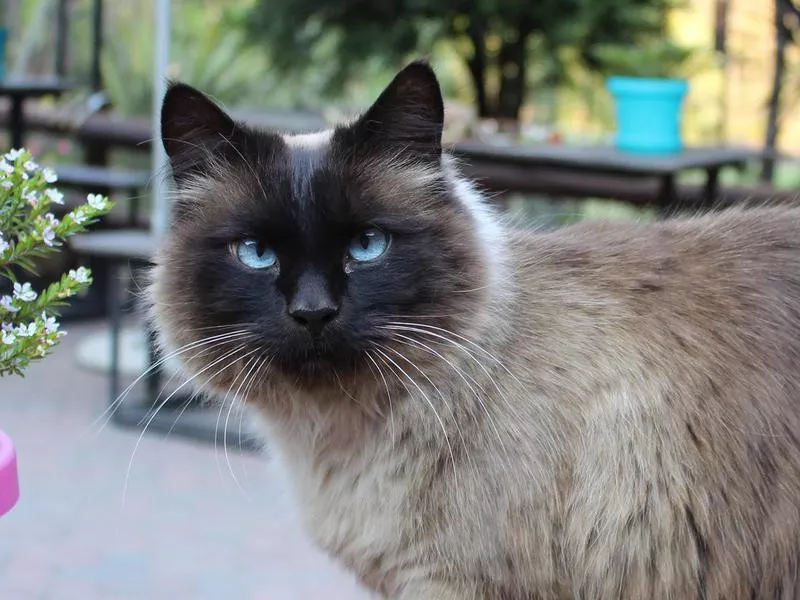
column 314, row 317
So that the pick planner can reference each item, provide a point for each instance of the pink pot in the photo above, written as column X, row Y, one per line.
column 9, row 483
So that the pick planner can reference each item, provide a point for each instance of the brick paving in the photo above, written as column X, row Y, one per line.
column 182, row 529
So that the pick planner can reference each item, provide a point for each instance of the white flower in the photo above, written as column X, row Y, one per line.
column 27, row 330
column 78, row 216
column 96, row 201
column 6, row 327
column 6, row 303
column 55, row 196
column 24, row 292
column 30, row 166
column 51, row 220
column 7, row 168
column 48, row 236
column 81, row 275
column 8, row 337
column 49, row 175
column 4, row 245
column 7, row 184
column 14, row 154
column 50, row 323
column 32, row 197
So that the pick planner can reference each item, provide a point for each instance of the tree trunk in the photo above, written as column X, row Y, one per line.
column 477, row 69
column 512, row 66
column 782, row 39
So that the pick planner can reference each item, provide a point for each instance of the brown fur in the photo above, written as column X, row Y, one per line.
column 640, row 437
column 609, row 410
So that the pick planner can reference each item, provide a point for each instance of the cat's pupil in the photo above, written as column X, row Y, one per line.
column 364, row 241
column 260, row 247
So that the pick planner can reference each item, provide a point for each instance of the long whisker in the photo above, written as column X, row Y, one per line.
column 191, row 398
column 227, row 420
column 480, row 364
column 438, row 391
column 107, row 414
column 388, row 395
column 467, row 378
column 424, row 327
column 430, row 404
column 266, row 361
column 222, row 407
column 165, row 401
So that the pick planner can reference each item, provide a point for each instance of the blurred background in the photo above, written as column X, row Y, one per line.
column 146, row 490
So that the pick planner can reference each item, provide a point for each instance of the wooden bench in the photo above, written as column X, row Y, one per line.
column 103, row 180
column 119, row 248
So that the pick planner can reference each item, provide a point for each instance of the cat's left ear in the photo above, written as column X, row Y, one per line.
column 408, row 115
column 193, row 129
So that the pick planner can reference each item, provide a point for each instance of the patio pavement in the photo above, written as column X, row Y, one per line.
column 182, row 528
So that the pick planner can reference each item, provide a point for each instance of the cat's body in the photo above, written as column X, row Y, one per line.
column 637, row 455
column 603, row 411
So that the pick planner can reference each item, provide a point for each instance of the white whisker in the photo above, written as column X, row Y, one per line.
column 424, row 327
column 388, row 395
column 430, row 404
column 109, row 411
column 163, row 403
column 227, row 420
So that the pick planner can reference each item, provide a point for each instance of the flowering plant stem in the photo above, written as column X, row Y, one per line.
column 28, row 230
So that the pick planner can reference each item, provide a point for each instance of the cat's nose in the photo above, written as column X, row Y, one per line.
column 314, row 317
column 312, row 305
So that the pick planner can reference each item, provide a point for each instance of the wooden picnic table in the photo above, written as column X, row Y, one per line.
column 18, row 90
column 520, row 164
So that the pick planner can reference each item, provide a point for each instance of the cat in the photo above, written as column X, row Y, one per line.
column 469, row 409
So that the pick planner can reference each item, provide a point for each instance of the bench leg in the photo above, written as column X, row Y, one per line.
column 668, row 203
column 711, row 192
column 114, row 298
column 153, row 377
column 133, row 207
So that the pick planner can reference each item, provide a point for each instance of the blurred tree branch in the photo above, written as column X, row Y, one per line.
column 502, row 39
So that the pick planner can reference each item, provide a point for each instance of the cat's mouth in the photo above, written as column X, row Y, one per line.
column 317, row 359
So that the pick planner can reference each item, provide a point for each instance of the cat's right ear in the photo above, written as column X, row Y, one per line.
column 193, row 129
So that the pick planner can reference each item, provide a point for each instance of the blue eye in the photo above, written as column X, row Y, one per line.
column 368, row 245
column 255, row 254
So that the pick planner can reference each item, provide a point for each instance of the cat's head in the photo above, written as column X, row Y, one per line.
column 316, row 254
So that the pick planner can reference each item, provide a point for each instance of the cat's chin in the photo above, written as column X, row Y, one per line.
column 317, row 370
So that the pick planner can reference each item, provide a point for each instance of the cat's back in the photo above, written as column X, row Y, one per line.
column 733, row 269
column 728, row 242
column 676, row 346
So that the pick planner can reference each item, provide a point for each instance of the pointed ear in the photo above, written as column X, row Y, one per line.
column 192, row 128
column 409, row 113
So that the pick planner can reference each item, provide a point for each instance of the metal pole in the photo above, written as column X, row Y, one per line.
column 97, row 45
column 159, row 216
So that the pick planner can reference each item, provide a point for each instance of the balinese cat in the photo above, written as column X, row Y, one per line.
column 472, row 411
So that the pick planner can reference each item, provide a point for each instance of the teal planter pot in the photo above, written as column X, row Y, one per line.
column 3, row 46
column 648, row 113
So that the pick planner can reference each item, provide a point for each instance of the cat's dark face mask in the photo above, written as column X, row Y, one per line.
column 308, row 251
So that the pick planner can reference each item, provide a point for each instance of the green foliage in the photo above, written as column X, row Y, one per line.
column 205, row 51
column 659, row 59
column 28, row 325
column 493, row 36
